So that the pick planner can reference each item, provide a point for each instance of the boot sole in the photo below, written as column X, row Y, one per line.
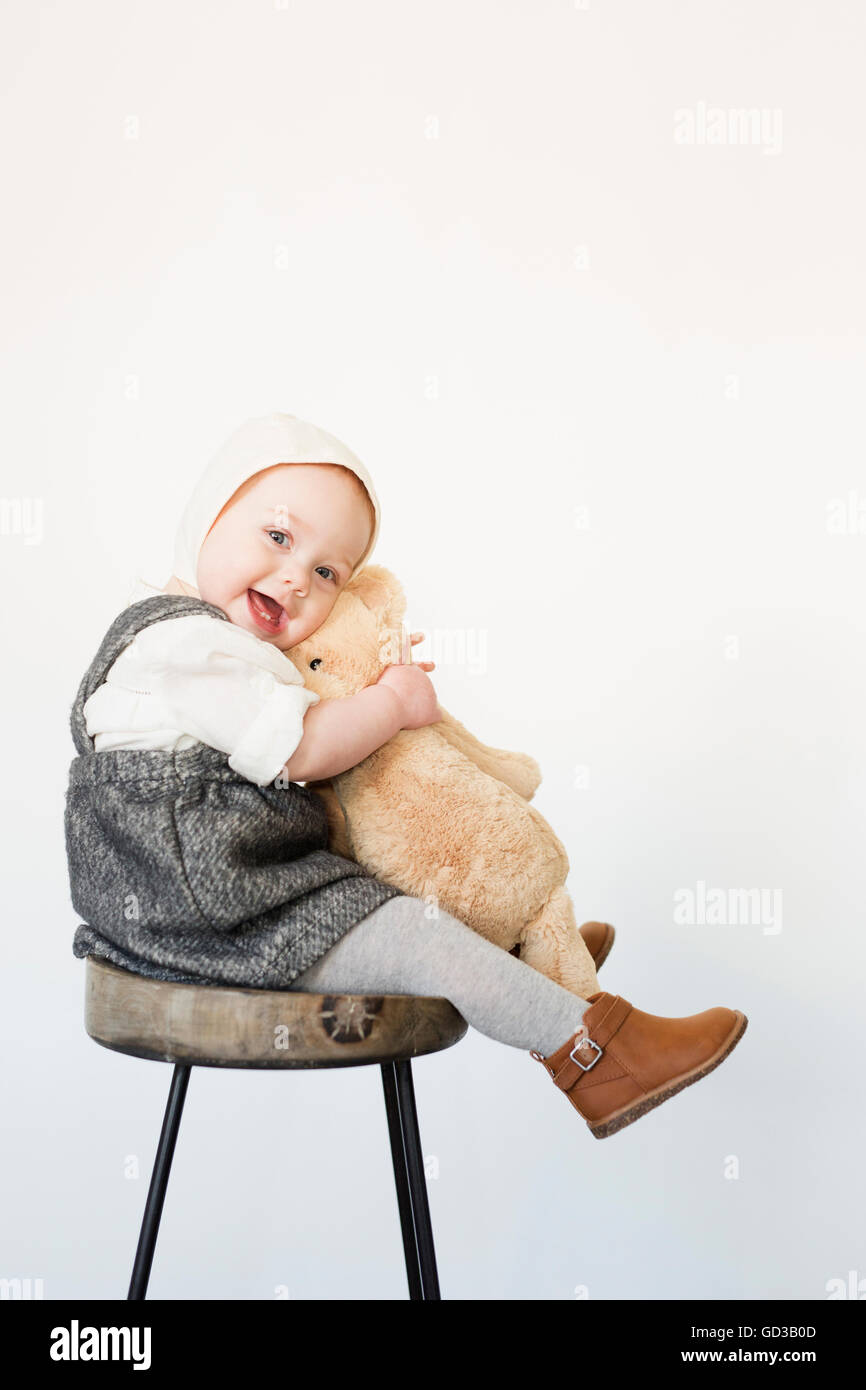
column 629, row 1113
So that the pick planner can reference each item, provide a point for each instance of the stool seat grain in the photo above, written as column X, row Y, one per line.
column 226, row 1026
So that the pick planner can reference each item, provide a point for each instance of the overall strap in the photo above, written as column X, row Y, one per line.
column 130, row 621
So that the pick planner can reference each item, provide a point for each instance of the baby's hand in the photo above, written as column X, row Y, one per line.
column 415, row 692
column 414, row 639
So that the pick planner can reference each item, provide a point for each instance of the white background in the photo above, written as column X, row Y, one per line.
column 609, row 387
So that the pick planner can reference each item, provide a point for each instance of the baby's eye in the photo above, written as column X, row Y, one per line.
column 333, row 574
column 316, row 661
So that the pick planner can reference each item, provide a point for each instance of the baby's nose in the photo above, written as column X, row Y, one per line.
column 292, row 577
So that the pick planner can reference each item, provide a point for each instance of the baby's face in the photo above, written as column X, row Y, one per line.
column 292, row 534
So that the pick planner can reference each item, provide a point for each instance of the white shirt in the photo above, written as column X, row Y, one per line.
column 199, row 679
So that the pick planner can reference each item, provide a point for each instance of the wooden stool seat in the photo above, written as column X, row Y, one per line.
column 224, row 1026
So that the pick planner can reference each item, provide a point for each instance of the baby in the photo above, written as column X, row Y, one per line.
column 275, row 561
column 195, row 851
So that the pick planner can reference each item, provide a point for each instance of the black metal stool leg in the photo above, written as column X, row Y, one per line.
column 158, row 1183
column 401, row 1178
column 409, row 1175
column 417, row 1180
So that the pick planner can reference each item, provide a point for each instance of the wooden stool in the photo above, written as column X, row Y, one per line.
column 224, row 1026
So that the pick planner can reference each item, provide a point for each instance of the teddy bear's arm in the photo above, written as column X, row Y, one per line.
column 517, row 770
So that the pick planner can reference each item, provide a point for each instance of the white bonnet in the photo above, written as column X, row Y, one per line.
column 253, row 446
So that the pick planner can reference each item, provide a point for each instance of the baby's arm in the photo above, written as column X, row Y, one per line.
column 339, row 734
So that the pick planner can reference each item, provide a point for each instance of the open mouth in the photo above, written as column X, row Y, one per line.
column 266, row 612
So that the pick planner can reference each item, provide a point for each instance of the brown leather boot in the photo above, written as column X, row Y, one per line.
column 621, row 1062
column 598, row 937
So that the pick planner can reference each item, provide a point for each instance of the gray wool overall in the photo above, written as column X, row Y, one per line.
column 185, row 870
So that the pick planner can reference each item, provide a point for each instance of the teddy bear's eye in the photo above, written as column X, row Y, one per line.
column 316, row 661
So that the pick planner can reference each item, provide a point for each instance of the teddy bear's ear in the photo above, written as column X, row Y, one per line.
column 381, row 591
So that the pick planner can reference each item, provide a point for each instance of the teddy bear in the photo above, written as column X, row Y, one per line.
column 436, row 812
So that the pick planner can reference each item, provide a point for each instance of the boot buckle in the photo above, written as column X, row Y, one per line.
column 585, row 1042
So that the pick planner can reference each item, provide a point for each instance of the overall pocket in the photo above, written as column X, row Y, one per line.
column 241, row 846
column 125, row 870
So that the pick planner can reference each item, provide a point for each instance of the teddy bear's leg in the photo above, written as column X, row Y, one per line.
column 338, row 839
column 553, row 945
column 517, row 770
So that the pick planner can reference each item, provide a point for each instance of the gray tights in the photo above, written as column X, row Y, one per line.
column 396, row 949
